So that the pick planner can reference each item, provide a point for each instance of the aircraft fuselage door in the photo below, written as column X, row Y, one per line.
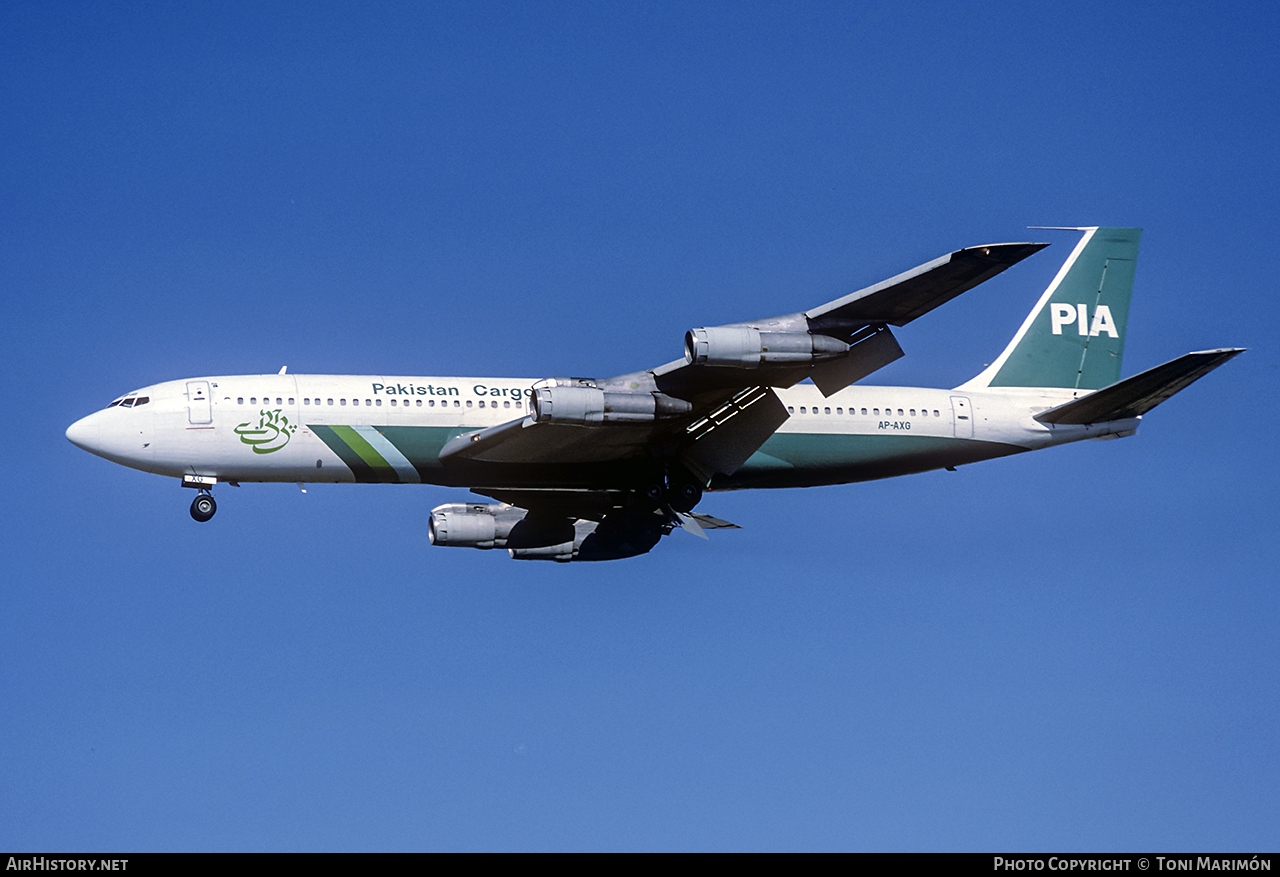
column 963, row 416
column 198, row 404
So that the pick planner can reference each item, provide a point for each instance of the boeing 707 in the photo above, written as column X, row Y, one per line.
column 600, row 469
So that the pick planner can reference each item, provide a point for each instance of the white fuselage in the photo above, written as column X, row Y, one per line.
column 340, row 428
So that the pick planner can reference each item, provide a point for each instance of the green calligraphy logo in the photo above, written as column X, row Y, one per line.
column 269, row 434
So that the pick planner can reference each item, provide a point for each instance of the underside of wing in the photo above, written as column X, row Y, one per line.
column 708, row 440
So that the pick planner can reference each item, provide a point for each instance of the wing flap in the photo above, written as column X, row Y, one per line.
column 867, row 356
column 726, row 438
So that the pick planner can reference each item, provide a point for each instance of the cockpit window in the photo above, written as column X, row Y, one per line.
column 133, row 400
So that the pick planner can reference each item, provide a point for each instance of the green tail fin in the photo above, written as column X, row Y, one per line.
column 1074, row 337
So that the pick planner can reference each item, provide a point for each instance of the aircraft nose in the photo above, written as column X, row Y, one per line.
column 84, row 432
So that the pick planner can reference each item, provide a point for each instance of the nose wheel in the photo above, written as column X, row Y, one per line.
column 203, row 507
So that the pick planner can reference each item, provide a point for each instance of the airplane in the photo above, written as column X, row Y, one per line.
column 601, row 469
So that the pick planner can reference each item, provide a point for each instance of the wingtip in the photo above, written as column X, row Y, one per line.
column 1024, row 248
column 1227, row 352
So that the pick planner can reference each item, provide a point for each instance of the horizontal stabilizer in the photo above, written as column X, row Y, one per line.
column 1137, row 395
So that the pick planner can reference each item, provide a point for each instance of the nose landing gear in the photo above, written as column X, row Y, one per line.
column 203, row 507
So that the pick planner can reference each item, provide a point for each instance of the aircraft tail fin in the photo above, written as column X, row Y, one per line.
column 1074, row 336
column 1137, row 395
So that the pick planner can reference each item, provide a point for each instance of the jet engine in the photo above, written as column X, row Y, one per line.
column 578, row 401
column 744, row 347
column 497, row 525
column 473, row 524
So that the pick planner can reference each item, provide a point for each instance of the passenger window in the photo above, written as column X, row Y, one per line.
column 864, row 411
column 377, row 403
column 791, row 409
column 253, row 400
column 468, row 403
column 899, row 412
column 913, row 412
column 875, row 411
column 290, row 400
column 240, row 400
column 935, row 413
column 457, row 404
column 431, row 403
column 279, row 401
column 393, row 403
column 826, row 410
column 330, row 401
column 419, row 402
column 481, row 403
column 355, row 401
column 841, row 410
column 342, row 401
column 506, row 403
column 306, row 401
column 368, row 403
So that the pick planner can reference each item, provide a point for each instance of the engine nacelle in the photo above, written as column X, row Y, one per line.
column 472, row 525
column 590, row 544
column 498, row 525
column 581, row 404
column 744, row 347
column 530, row 537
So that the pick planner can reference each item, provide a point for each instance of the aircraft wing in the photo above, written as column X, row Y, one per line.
column 720, row 440
column 711, row 410
column 859, row 319
column 911, row 294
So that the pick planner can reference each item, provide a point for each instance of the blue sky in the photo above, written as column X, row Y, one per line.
column 1067, row 650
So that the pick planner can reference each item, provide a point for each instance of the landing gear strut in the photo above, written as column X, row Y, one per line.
column 203, row 507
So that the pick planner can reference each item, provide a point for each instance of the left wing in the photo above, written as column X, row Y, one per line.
column 711, row 410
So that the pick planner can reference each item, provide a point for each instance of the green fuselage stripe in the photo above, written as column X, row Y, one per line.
column 787, row 459
column 421, row 445
column 365, row 451
column 364, row 472
column 809, row 459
